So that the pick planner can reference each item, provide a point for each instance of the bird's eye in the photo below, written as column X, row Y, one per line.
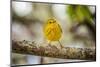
column 50, row 22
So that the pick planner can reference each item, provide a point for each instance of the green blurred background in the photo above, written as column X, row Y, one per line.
column 78, row 23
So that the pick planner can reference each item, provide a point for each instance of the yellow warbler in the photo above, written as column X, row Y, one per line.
column 52, row 31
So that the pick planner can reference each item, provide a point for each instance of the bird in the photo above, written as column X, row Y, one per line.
column 52, row 31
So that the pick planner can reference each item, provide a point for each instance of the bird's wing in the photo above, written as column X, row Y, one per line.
column 59, row 27
column 48, row 31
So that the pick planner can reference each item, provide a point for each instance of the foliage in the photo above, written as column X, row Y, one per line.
column 79, row 13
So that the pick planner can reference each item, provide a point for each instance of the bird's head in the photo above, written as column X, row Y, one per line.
column 51, row 21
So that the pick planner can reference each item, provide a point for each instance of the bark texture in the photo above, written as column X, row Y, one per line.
column 32, row 48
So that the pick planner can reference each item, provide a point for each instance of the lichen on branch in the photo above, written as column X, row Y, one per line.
column 31, row 48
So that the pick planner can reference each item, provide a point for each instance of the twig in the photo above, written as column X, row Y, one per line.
column 29, row 47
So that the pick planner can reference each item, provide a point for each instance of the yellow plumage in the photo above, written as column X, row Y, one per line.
column 52, row 30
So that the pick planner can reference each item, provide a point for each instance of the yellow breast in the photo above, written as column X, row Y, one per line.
column 53, row 32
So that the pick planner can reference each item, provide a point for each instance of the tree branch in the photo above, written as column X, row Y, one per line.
column 30, row 47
